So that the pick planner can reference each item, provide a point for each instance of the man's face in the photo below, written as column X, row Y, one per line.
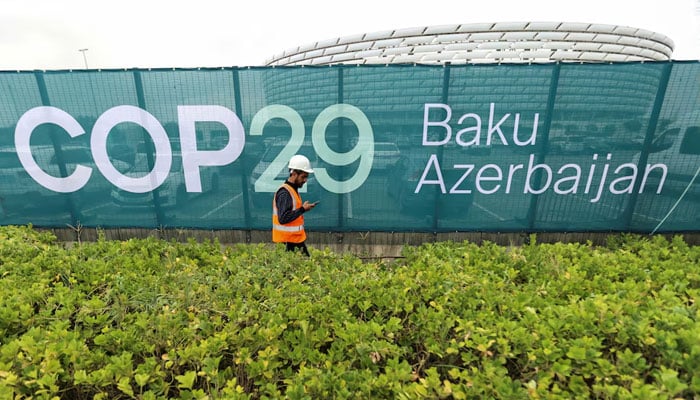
column 299, row 178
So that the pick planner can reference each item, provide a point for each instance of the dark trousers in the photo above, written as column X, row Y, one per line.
column 298, row 247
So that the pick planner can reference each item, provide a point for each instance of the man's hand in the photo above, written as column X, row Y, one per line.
column 307, row 206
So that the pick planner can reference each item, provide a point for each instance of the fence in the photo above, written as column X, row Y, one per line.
column 400, row 148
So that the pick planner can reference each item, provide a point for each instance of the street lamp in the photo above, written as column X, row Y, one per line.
column 84, row 56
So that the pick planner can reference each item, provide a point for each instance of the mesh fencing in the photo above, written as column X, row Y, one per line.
column 506, row 148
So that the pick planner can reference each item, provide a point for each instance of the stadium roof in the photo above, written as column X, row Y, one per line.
column 501, row 42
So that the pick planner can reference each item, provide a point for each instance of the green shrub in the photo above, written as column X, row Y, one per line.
column 154, row 319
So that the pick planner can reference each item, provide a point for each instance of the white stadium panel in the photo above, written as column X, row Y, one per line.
column 461, row 56
column 551, row 35
column 625, row 30
column 418, row 40
column 392, row 42
column 369, row 53
column 354, row 61
column 605, row 38
column 307, row 47
column 612, row 57
column 631, row 50
column 314, row 53
column 326, row 43
column 484, row 36
column 398, row 50
column 538, row 54
column 542, row 26
column 494, row 45
column 440, row 29
column 517, row 61
column 516, row 36
column 477, row 54
column 565, row 55
column 431, row 48
column 296, row 57
column 661, row 38
column 628, row 40
column 454, row 37
column 506, row 55
column 376, row 60
column 461, row 46
column 586, row 46
column 481, row 61
column 662, row 49
column 645, row 33
column 475, row 27
column 547, row 41
column 584, row 37
column 592, row 56
column 378, row 35
column 573, row 26
column 646, row 43
column 558, row 45
column 509, row 26
column 359, row 46
column 611, row 48
column 602, row 28
column 339, row 58
column 636, row 58
column 444, row 56
column 408, row 32
column 528, row 45
column 334, row 50
column 351, row 38
column 321, row 60
column 650, row 54
column 406, row 58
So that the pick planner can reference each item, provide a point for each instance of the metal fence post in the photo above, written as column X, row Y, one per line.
column 244, row 181
column 553, row 85
column 648, row 139
column 149, row 151
column 44, row 93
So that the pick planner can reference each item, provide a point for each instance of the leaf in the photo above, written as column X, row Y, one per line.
column 9, row 377
column 576, row 353
column 669, row 378
column 142, row 379
column 124, row 385
column 186, row 380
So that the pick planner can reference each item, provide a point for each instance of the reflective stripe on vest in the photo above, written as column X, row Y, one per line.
column 293, row 231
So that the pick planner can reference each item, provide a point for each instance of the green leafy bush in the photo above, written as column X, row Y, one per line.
column 152, row 319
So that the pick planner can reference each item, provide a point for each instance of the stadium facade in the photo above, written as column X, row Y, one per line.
column 479, row 43
column 625, row 93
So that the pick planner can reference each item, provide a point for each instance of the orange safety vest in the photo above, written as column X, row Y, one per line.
column 293, row 231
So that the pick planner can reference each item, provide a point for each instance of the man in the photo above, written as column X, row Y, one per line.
column 287, row 208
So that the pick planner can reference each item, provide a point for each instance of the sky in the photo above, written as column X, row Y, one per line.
column 49, row 34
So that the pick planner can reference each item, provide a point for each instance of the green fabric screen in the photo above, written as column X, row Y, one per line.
column 549, row 147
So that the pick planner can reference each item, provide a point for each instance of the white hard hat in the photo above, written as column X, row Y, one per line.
column 301, row 163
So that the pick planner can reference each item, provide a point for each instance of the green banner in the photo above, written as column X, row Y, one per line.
column 508, row 148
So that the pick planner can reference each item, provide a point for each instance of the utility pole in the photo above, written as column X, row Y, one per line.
column 84, row 56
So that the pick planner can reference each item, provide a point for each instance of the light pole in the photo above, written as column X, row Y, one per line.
column 84, row 56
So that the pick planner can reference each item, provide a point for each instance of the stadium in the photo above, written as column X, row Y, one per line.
column 502, row 42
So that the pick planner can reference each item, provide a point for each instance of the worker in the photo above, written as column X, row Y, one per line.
column 288, row 209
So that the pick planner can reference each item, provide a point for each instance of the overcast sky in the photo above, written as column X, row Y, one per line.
column 48, row 34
